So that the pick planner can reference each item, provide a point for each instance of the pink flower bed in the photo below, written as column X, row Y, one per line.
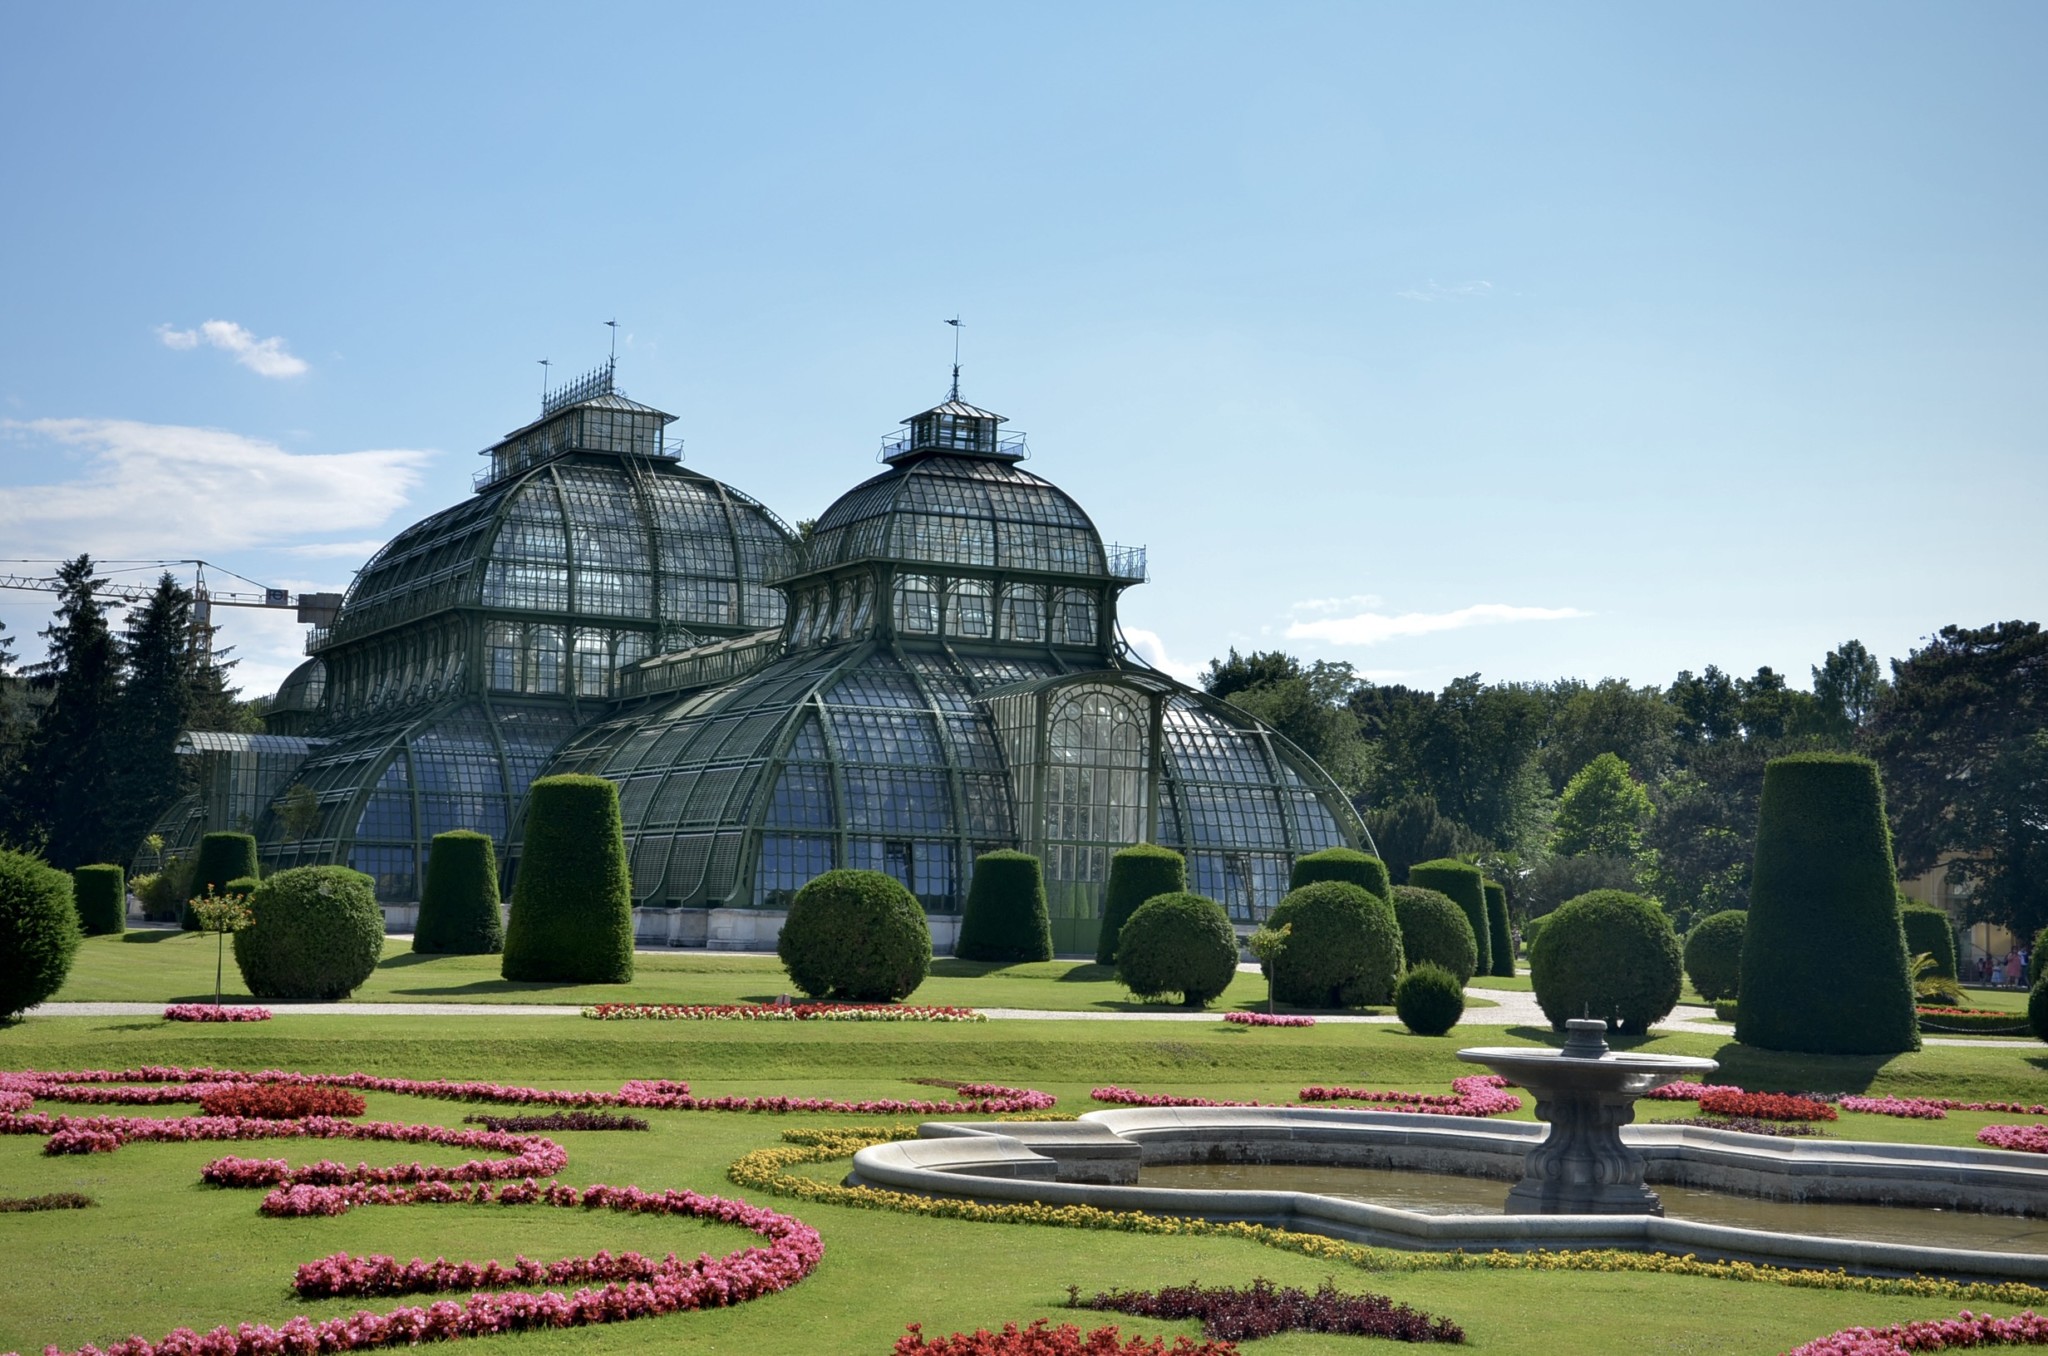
column 1265, row 1019
column 2027, row 1329
column 208, row 1012
column 1684, row 1091
column 2028, row 1139
column 1472, row 1095
column 777, row 1012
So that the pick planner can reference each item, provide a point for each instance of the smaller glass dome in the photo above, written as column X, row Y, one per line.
column 299, row 700
column 946, row 509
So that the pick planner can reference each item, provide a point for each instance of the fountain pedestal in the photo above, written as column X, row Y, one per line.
column 1585, row 1093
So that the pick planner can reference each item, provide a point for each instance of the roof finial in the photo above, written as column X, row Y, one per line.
column 613, row 326
column 955, row 323
column 544, row 365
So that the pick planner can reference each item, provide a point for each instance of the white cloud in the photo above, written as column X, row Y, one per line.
column 337, row 550
column 1436, row 291
column 1358, row 600
column 1370, row 628
column 1152, row 650
column 169, row 490
column 264, row 357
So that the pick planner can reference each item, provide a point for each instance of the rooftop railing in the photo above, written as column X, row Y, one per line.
column 1010, row 445
column 713, row 664
column 1126, row 563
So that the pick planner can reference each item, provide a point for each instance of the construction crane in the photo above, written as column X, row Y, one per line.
column 314, row 609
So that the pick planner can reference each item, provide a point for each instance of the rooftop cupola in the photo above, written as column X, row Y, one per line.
column 958, row 428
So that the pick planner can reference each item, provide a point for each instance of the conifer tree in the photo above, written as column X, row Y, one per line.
column 70, row 758
column 156, row 706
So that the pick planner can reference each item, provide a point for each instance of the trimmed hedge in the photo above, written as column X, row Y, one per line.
column 1429, row 999
column 1928, row 930
column 1466, row 887
column 2037, row 1010
column 1367, row 872
column 101, row 894
column 1435, row 931
column 1178, row 943
column 223, row 857
column 318, row 934
column 2034, row 957
column 1529, row 931
column 1136, row 874
column 1499, row 940
column 459, row 914
column 1824, row 957
column 38, row 931
column 1343, row 949
column 856, row 935
column 1713, row 954
column 1005, row 918
column 572, row 907
column 1606, row 954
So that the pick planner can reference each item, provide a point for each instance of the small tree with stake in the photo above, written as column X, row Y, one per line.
column 221, row 915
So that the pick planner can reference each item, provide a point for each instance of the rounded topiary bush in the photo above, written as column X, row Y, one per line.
column 223, row 857
column 101, row 894
column 2037, row 1009
column 1929, row 932
column 1713, row 954
column 1823, row 960
column 1005, row 918
column 1343, row 947
column 1429, row 999
column 1136, row 874
column 855, row 935
column 1500, row 942
column 1346, row 864
column 1177, row 943
column 1606, row 954
column 572, row 906
column 38, row 931
column 318, row 934
column 459, row 913
column 1466, row 887
column 1435, row 931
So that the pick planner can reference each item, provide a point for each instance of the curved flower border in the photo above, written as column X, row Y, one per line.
column 1966, row 1329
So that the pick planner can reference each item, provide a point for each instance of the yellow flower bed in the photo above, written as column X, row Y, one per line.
column 772, row 1170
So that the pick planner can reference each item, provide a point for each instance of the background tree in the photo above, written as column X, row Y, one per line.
column 1411, row 830
column 70, row 758
column 1308, row 707
column 1708, row 707
column 17, row 720
column 1846, row 686
column 1604, row 811
column 1636, row 724
column 155, row 708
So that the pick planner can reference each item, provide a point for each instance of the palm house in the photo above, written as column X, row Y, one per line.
column 932, row 672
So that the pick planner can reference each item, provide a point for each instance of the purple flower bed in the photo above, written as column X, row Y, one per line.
column 1749, row 1125
column 560, row 1120
column 1262, row 1309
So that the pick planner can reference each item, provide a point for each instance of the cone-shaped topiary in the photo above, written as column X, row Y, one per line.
column 1005, row 918
column 1499, row 940
column 1713, row 954
column 2037, row 1009
column 318, row 934
column 1467, row 889
column 1343, row 947
column 1824, row 957
column 101, row 893
column 1178, row 943
column 2034, row 966
column 459, row 913
column 1606, row 954
column 1429, row 999
column 38, row 931
column 222, row 857
column 1346, row 864
column 572, row 909
column 1929, row 931
column 856, row 935
column 1435, row 931
column 1136, row 874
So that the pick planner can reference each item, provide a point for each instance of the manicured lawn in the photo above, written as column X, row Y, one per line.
column 1521, row 984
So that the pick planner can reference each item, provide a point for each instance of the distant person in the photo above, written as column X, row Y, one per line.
column 1998, row 975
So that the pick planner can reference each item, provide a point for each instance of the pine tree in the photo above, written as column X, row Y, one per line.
column 216, row 705
column 16, row 720
column 156, row 707
column 70, row 760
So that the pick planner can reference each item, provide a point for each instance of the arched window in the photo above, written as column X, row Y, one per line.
column 544, row 660
column 501, row 652
column 1074, row 618
column 593, row 663
column 967, row 611
column 917, row 604
column 1023, row 613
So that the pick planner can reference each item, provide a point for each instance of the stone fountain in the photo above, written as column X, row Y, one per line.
column 1586, row 1093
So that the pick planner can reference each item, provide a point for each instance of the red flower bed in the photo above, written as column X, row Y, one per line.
column 1765, row 1106
column 2027, row 1329
column 270, row 1102
column 1041, row 1340
column 1262, row 1309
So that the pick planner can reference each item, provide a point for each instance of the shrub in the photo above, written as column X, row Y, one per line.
column 1345, row 864
column 101, row 895
column 1929, row 932
column 223, row 857
column 1005, row 918
column 1713, row 954
column 1178, row 943
column 2037, row 1009
column 572, row 908
column 1435, row 931
column 1429, row 999
column 1467, row 889
column 2034, row 958
column 38, row 931
column 1529, row 931
column 163, row 893
column 1343, row 948
column 1823, row 957
column 1500, row 942
column 459, row 907
column 1606, row 954
column 318, row 934
column 855, row 935
column 1136, row 874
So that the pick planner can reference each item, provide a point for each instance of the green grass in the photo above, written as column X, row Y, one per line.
column 160, row 1250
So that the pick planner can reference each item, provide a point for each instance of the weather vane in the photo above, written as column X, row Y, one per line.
column 543, row 379
column 955, row 323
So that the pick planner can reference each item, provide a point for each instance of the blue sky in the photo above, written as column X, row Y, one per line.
column 1531, row 340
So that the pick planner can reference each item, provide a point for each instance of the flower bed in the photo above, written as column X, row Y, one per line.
column 1764, row 1106
column 270, row 1102
column 1472, row 1095
column 2027, row 1329
column 1265, row 1019
column 1686, row 1091
column 1261, row 1309
column 55, row 1200
column 1038, row 1339
column 213, row 1012
column 1749, row 1126
column 776, row 1012
column 558, row 1120
column 1909, row 1108
column 2027, row 1139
